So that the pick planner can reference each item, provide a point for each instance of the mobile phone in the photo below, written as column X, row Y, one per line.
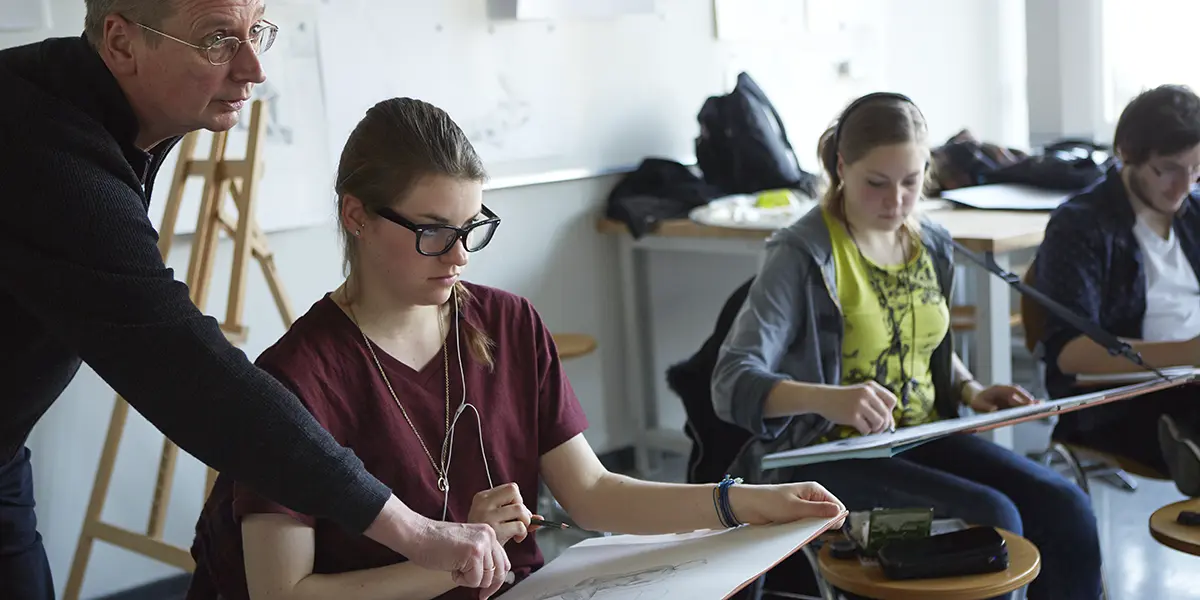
column 1188, row 517
column 965, row 552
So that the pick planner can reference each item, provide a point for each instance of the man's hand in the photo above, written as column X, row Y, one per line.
column 503, row 508
column 469, row 551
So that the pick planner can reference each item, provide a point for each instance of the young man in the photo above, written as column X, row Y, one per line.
column 86, row 122
column 1125, row 254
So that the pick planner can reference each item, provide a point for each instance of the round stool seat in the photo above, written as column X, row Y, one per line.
column 574, row 345
column 1168, row 532
column 850, row 575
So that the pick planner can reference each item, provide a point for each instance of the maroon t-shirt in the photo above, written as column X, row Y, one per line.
column 525, row 403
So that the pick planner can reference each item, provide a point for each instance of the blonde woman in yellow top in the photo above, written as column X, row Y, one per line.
column 845, row 331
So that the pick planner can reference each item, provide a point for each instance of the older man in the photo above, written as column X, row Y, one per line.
column 85, row 124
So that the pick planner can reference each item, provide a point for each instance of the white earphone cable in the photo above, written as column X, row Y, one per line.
column 448, row 443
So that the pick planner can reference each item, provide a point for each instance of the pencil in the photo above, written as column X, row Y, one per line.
column 544, row 523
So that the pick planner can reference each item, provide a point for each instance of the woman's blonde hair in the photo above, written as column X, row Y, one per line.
column 878, row 119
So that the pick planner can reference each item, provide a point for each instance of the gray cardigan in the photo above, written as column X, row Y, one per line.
column 790, row 328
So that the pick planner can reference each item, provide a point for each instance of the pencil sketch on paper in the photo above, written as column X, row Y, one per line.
column 277, row 129
column 510, row 115
column 666, row 567
column 298, row 167
column 624, row 586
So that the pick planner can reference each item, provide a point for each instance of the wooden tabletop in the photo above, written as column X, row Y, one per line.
column 1174, row 535
column 979, row 230
column 850, row 575
column 574, row 345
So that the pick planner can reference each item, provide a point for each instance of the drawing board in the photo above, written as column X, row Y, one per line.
column 889, row 444
column 694, row 566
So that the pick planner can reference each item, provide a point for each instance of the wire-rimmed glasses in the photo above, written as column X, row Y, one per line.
column 221, row 50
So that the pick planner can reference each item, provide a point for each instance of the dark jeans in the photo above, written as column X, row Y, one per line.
column 24, row 570
column 966, row 477
column 1129, row 428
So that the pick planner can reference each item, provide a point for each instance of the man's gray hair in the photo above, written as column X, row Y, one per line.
column 148, row 12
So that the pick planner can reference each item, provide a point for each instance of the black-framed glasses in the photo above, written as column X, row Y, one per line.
column 436, row 239
column 221, row 50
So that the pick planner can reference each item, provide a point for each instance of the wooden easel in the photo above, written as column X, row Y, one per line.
column 240, row 178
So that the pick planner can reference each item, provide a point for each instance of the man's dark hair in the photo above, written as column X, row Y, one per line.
column 147, row 12
column 1160, row 121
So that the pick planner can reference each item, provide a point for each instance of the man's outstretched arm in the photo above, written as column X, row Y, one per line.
column 80, row 256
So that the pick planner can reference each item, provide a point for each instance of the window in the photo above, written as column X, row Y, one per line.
column 1145, row 43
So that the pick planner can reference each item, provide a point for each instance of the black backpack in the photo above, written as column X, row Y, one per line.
column 743, row 147
column 1068, row 165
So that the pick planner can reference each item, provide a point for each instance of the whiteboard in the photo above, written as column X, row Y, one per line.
column 533, row 96
column 582, row 95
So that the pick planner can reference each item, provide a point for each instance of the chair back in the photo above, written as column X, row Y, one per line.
column 1033, row 315
column 715, row 443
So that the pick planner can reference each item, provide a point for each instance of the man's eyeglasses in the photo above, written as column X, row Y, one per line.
column 438, row 239
column 221, row 50
column 1174, row 172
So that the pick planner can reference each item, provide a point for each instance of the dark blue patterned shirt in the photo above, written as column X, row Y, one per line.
column 1091, row 263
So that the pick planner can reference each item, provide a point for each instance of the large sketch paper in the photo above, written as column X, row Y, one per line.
column 694, row 566
column 1007, row 196
column 886, row 445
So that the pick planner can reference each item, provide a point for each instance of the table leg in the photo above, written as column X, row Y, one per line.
column 639, row 353
column 993, row 336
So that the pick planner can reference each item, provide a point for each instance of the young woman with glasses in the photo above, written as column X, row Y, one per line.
column 450, row 392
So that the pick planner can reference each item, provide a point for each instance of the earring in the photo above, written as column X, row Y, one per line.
column 357, row 232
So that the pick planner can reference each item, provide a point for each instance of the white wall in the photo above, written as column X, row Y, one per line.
column 1065, row 69
column 954, row 58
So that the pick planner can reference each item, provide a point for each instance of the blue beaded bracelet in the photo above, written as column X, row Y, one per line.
column 724, row 510
column 717, row 507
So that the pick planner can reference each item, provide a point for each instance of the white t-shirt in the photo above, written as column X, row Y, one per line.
column 1172, row 291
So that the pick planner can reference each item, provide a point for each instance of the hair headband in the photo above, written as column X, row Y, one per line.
column 837, row 129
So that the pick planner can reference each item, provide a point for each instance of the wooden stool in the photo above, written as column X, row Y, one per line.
column 1173, row 535
column 850, row 575
column 574, row 345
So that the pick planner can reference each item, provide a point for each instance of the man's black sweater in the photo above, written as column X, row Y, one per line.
column 81, row 278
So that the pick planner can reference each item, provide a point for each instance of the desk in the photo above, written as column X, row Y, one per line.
column 999, row 232
column 574, row 345
column 1171, row 534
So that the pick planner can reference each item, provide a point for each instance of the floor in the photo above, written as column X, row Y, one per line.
column 1137, row 567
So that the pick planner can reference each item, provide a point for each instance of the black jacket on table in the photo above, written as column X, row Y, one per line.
column 81, row 279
